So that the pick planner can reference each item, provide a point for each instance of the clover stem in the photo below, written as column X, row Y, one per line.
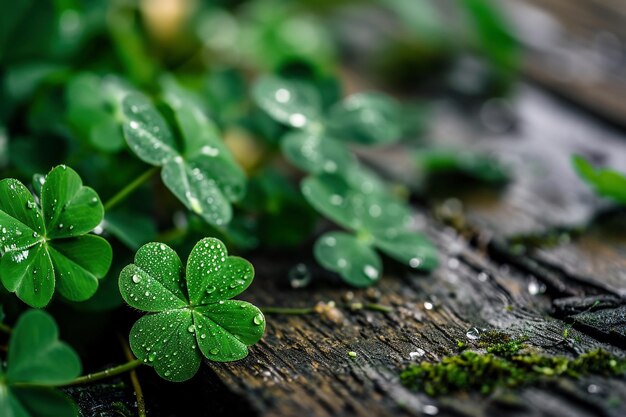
column 6, row 329
column 116, row 370
column 287, row 310
column 141, row 405
column 378, row 307
column 124, row 192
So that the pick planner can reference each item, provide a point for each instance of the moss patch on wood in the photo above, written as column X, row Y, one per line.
column 506, row 363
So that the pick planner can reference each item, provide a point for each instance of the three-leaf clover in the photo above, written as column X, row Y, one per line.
column 47, row 245
column 378, row 220
column 200, row 171
column 319, row 143
column 606, row 182
column 37, row 361
column 193, row 314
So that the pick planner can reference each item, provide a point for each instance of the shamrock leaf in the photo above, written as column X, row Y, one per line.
column 37, row 361
column 46, row 245
column 367, row 118
column 378, row 220
column 94, row 105
column 606, row 182
column 193, row 314
column 200, row 172
column 364, row 118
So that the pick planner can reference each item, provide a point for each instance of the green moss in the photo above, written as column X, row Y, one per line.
column 500, row 343
column 472, row 371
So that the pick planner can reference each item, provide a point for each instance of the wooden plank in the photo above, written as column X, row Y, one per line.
column 576, row 49
column 545, row 193
column 302, row 365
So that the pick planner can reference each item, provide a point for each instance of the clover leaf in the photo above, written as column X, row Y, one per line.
column 606, row 182
column 94, row 106
column 200, row 172
column 379, row 222
column 37, row 361
column 320, row 145
column 192, row 311
column 47, row 245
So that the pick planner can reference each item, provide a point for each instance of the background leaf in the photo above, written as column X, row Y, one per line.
column 291, row 102
column 36, row 355
column 354, row 260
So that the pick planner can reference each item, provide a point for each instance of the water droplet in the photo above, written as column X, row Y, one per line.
column 258, row 319
column 282, row 95
column 299, row 276
column 60, row 225
column 370, row 272
column 151, row 356
column 134, row 124
column 428, row 305
column 473, row 333
column 191, row 328
column 203, row 336
column 210, row 290
column 419, row 352
column 136, row 278
column 297, row 120
column 415, row 262
column 35, row 234
column 214, row 351
column 336, row 199
column 430, row 410
column 535, row 287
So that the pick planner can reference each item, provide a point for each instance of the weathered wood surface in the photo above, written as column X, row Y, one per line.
column 577, row 49
column 302, row 366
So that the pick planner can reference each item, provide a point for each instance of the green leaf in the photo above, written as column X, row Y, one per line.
column 493, row 35
column 70, row 209
column 146, row 131
column 196, row 191
column 333, row 197
column 201, row 172
column 193, row 316
column 366, row 118
column 410, row 248
column 379, row 221
column 94, row 109
column 47, row 246
column 35, row 402
column 37, row 356
column 316, row 154
column 605, row 182
column 481, row 167
column 290, row 102
column 355, row 260
column 130, row 228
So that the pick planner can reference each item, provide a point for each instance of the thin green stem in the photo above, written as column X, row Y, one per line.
column 378, row 307
column 5, row 328
column 124, row 192
column 116, row 370
column 288, row 311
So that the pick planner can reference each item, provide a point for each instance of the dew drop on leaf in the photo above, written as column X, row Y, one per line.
column 415, row 262
column 136, row 278
column 258, row 319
